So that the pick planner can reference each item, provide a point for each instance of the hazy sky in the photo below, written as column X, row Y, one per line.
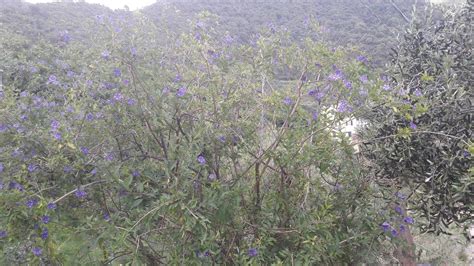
column 132, row 4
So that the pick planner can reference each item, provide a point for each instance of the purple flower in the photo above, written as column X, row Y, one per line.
column 65, row 37
column 386, row 87
column 15, row 185
column 335, row 76
column 84, row 150
column 362, row 59
column 364, row 79
column 3, row 234
column 54, row 125
column 287, row 101
column 412, row 125
column 31, row 203
column 181, row 92
column 52, row 206
column 135, row 173
column 44, row 234
column 165, row 90
column 80, row 193
column 94, row 171
column 177, row 78
column 1, row 167
column 343, row 107
column 398, row 209
column 37, row 251
column 105, row 54
column 385, row 226
column 53, row 80
column 107, row 216
column 402, row 228
column 32, row 167
column 109, row 156
column 131, row 101
column 117, row 72
column 315, row 116
column 417, row 92
column 70, row 73
column 222, row 138
column 133, row 51
column 126, row 82
column 45, row 219
column 394, row 233
column 400, row 196
column 252, row 252
column 312, row 92
column 57, row 135
column 67, row 169
column 118, row 97
column 409, row 220
column 24, row 94
column 3, row 128
column 348, row 84
column 201, row 160
column 89, row 117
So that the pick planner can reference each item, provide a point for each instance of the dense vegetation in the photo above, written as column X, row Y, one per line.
column 158, row 137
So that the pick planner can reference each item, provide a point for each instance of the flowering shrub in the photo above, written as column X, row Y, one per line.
column 146, row 147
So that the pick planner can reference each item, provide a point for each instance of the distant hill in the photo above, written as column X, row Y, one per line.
column 370, row 24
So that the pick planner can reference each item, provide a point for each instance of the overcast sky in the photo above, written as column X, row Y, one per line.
column 114, row 4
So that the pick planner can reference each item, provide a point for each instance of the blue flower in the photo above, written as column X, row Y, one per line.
column 105, row 54
column 287, row 101
column 52, row 206
column 54, row 125
column 348, row 84
column 57, row 135
column 45, row 219
column 67, row 169
column 409, row 220
column 3, row 234
column 201, row 160
column 252, row 252
column 84, row 150
column 80, row 193
column 117, row 72
column 31, row 203
column 37, row 251
column 385, row 226
column 343, row 107
column 417, row 92
column 394, row 233
column 398, row 209
column 181, row 92
column 44, row 234
column 32, row 167
column 402, row 228
column 15, row 185
column 131, row 101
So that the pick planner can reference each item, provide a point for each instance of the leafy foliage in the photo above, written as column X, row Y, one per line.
column 430, row 113
column 134, row 144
